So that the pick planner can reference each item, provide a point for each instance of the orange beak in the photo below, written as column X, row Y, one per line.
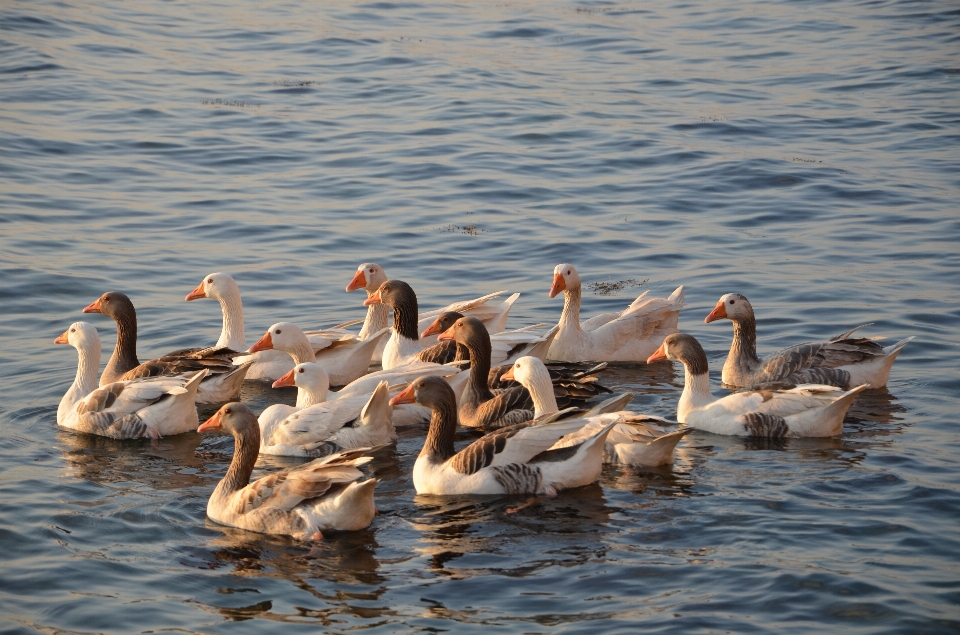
column 63, row 338
column 359, row 281
column 92, row 308
column 508, row 376
column 409, row 395
column 658, row 356
column 719, row 311
column 559, row 284
column 447, row 336
column 373, row 298
column 265, row 343
column 286, row 380
column 196, row 294
column 213, row 423
column 433, row 329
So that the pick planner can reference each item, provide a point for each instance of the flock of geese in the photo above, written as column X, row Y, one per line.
column 533, row 394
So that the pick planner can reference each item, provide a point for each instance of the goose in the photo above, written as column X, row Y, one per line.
column 405, row 345
column 344, row 360
column 313, row 386
column 636, row 439
column 151, row 407
column 330, row 426
column 629, row 336
column 302, row 501
column 504, row 343
column 515, row 460
column 806, row 410
column 843, row 361
column 370, row 276
column 221, row 383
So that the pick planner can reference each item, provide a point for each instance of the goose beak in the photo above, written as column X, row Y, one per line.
column 286, row 380
column 359, row 281
column 447, row 336
column 374, row 298
column 409, row 395
column 719, row 311
column 196, row 294
column 213, row 423
column 658, row 356
column 508, row 376
column 265, row 343
column 92, row 308
column 433, row 329
column 559, row 284
column 63, row 338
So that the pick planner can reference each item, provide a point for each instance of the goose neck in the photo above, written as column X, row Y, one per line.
column 232, row 335
column 744, row 346
column 696, row 393
column 405, row 318
column 246, row 449
column 570, row 318
column 443, row 426
column 302, row 350
column 88, row 364
column 541, row 391
column 311, row 395
column 478, row 387
column 377, row 318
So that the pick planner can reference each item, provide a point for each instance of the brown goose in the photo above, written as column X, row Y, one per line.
column 842, row 361
column 514, row 460
column 301, row 501
column 479, row 406
column 223, row 380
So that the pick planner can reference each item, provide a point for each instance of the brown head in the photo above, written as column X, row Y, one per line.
column 442, row 323
column 683, row 348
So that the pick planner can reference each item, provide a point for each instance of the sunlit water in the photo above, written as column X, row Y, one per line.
column 804, row 154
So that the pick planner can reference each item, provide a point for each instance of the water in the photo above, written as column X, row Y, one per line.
column 804, row 154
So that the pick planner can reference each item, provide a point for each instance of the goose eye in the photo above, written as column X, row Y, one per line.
column 209, row 280
column 277, row 331
column 733, row 301
column 300, row 371
column 73, row 330
column 568, row 272
column 370, row 270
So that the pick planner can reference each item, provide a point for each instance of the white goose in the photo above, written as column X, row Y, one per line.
column 842, row 361
column 513, row 460
column 152, row 407
column 629, row 336
column 313, row 386
column 302, row 501
column 344, row 360
column 270, row 364
column 370, row 276
column 636, row 439
column 331, row 426
column 808, row 410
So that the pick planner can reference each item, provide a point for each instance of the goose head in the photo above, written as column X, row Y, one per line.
column 430, row 391
column 467, row 331
column 81, row 336
column 443, row 322
column 113, row 304
column 732, row 306
column 526, row 371
column 282, row 336
column 683, row 348
column 369, row 276
column 565, row 277
column 216, row 285
column 309, row 376
column 394, row 293
column 235, row 418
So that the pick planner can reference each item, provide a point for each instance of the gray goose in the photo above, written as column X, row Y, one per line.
column 302, row 501
column 223, row 380
column 842, row 361
column 513, row 460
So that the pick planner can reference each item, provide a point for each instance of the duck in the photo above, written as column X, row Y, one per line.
column 222, row 381
column 131, row 409
column 636, row 439
column 301, row 502
column 771, row 411
column 844, row 361
column 370, row 276
column 629, row 336
column 344, row 360
column 514, row 460
column 330, row 426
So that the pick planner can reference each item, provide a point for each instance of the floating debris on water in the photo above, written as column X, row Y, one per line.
column 466, row 229
column 609, row 288
column 227, row 102
column 292, row 83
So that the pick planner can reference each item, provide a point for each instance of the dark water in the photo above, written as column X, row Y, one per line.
column 804, row 154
